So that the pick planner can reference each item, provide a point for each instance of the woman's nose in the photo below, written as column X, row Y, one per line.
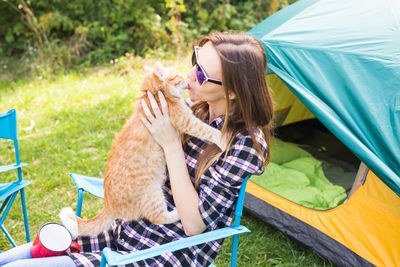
column 192, row 73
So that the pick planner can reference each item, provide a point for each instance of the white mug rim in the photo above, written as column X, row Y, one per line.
column 51, row 249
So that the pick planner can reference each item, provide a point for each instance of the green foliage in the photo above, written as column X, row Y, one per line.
column 205, row 16
column 41, row 37
column 95, row 29
column 55, row 34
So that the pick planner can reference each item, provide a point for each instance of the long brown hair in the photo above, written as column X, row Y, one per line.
column 243, row 62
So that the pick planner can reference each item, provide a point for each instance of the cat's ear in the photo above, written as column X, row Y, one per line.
column 147, row 69
column 160, row 70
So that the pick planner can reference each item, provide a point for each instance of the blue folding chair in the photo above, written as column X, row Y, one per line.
column 94, row 186
column 9, row 191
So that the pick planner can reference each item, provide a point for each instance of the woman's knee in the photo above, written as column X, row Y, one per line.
column 59, row 261
column 17, row 253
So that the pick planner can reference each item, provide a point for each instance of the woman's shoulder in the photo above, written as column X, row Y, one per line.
column 243, row 138
column 244, row 154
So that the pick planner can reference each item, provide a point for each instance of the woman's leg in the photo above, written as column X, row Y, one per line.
column 17, row 253
column 57, row 261
column 20, row 256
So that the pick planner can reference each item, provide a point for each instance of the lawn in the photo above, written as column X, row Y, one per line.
column 66, row 123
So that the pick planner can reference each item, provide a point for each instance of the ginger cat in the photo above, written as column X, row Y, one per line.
column 136, row 164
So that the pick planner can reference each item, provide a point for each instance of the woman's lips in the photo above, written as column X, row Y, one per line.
column 188, row 87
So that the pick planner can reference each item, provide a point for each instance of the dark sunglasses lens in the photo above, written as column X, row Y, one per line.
column 200, row 75
column 193, row 58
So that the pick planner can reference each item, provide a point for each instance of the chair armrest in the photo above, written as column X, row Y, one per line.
column 115, row 258
column 93, row 185
column 5, row 168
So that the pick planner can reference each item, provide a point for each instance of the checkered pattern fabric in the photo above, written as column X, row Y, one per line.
column 218, row 191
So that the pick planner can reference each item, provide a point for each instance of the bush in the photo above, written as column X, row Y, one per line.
column 55, row 34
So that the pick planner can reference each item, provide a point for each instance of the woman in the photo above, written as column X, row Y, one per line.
column 228, row 87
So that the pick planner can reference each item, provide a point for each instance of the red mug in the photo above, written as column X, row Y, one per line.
column 53, row 239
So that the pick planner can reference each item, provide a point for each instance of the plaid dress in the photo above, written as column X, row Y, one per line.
column 218, row 191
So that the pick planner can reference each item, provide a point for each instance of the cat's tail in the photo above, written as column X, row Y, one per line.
column 82, row 227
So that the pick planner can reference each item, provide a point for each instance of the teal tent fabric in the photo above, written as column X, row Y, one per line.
column 342, row 60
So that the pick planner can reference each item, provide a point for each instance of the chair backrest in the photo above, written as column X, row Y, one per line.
column 8, row 125
column 8, row 130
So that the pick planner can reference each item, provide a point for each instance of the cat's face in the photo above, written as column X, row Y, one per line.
column 169, row 81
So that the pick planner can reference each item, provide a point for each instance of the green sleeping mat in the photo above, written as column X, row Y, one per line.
column 296, row 175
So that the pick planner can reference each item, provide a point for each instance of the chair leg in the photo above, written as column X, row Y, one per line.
column 8, row 236
column 235, row 244
column 103, row 261
column 10, row 202
column 4, row 204
column 79, row 205
column 4, row 215
column 28, row 238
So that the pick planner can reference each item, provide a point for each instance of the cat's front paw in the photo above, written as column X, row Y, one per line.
column 165, row 218
column 221, row 141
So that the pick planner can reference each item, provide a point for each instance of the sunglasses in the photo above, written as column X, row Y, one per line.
column 201, row 75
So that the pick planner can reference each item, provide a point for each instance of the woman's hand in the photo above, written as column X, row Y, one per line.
column 159, row 125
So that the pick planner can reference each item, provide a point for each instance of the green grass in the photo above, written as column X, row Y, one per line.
column 66, row 123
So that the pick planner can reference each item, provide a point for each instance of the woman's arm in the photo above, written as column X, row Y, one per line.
column 185, row 196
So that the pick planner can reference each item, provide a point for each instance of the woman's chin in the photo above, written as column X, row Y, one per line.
column 191, row 95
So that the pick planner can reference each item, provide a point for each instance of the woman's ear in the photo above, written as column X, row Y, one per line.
column 231, row 95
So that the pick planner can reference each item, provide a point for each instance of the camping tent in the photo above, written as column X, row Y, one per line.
column 341, row 61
